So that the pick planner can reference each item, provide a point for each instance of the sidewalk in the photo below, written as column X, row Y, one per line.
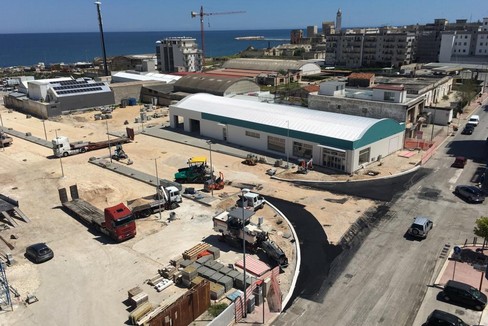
column 470, row 271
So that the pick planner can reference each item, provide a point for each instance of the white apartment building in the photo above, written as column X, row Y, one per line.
column 461, row 45
column 178, row 54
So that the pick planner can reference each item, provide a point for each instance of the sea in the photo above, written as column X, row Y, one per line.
column 49, row 48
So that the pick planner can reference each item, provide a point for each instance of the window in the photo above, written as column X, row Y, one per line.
column 364, row 155
column 302, row 150
column 252, row 134
column 464, row 50
column 465, row 43
column 338, row 107
column 276, row 144
column 389, row 96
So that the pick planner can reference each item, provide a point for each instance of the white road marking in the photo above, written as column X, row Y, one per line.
column 456, row 176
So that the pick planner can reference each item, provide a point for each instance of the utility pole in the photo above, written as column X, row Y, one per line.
column 209, row 142
column 108, row 138
column 157, row 187
column 244, row 254
column 100, row 24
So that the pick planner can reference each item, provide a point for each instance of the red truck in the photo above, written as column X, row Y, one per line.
column 117, row 221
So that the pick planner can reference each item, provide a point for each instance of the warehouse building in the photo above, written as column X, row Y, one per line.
column 340, row 142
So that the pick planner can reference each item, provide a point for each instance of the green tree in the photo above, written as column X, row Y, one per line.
column 481, row 227
column 466, row 92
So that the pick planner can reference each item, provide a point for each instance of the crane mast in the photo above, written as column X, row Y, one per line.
column 201, row 14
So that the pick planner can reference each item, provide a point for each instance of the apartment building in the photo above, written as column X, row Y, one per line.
column 468, row 45
column 178, row 54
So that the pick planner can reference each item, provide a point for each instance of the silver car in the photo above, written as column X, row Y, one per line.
column 420, row 227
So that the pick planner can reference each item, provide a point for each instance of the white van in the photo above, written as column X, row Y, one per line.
column 474, row 120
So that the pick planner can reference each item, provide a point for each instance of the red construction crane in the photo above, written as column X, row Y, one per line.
column 201, row 14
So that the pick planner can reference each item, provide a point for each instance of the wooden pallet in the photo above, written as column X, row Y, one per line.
column 192, row 253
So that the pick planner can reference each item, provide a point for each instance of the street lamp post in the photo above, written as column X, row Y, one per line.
column 60, row 158
column 286, row 143
column 44, row 125
column 157, row 187
column 108, row 138
column 244, row 254
column 209, row 142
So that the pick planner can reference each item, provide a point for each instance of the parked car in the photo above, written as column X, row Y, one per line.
column 39, row 253
column 469, row 193
column 420, row 227
column 474, row 120
column 459, row 162
column 468, row 129
column 440, row 318
column 464, row 294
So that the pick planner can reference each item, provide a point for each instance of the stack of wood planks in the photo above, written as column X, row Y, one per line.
column 193, row 253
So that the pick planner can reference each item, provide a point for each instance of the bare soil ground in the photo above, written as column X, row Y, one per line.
column 94, row 275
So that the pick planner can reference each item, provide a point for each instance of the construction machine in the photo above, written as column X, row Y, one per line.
column 212, row 184
column 236, row 225
column 304, row 166
column 251, row 159
column 197, row 171
column 120, row 155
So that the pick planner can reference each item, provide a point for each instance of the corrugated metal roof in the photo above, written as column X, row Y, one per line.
column 253, row 265
column 265, row 64
column 328, row 124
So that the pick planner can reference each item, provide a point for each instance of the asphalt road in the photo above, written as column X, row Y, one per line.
column 384, row 280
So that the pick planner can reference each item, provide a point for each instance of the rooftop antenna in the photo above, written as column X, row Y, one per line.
column 105, row 68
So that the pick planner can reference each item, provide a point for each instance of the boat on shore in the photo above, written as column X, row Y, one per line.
column 249, row 38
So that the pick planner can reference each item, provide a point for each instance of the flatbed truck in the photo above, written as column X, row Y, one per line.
column 62, row 146
column 117, row 221
column 168, row 198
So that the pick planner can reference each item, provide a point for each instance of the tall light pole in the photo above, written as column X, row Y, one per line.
column 108, row 138
column 157, row 187
column 44, row 125
column 286, row 143
column 244, row 253
column 100, row 24
column 60, row 158
column 209, row 142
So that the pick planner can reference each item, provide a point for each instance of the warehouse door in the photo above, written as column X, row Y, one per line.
column 195, row 126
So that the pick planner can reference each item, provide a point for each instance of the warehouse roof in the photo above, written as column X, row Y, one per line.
column 122, row 76
column 212, row 84
column 296, row 121
column 266, row 64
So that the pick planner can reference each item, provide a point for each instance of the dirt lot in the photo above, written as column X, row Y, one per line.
column 88, row 273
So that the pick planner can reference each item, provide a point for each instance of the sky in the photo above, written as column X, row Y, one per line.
column 57, row 16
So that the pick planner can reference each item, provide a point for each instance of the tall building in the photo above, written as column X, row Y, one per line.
column 178, row 54
column 338, row 25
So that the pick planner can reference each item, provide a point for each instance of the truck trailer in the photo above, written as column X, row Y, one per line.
column 117, row 221
column 62, row 146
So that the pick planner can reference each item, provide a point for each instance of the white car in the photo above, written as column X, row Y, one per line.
column 474, row 120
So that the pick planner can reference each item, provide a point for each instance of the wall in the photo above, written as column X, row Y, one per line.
column 447, row 43
column 225, row 318
column 441, row 116
column 378, row 110
column 381, row 148
column 126, row 91
column 75, row 102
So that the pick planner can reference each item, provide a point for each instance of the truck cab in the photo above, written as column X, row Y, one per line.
column 171, row 194
column 250, row 200
column 5, row 139
column 119, row 222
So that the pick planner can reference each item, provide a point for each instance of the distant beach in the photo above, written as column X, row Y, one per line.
column 30, row 49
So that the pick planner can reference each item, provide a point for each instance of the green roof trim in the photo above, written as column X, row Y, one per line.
column 382, row 129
